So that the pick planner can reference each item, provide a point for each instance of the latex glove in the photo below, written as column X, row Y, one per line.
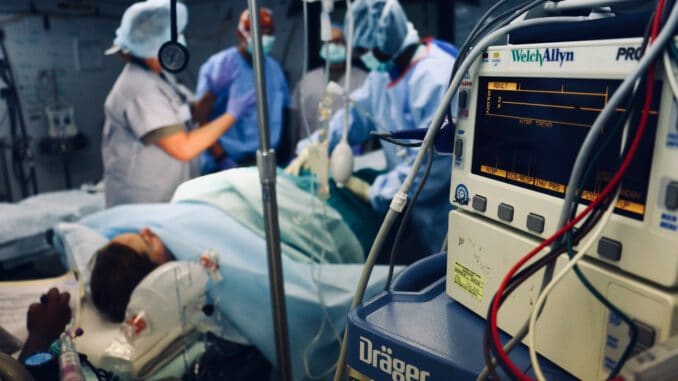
column 220, row 77
column 237, row 107
column 360, row 188
column 298, row 163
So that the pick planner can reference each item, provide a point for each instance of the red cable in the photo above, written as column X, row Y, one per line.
column 610, row 186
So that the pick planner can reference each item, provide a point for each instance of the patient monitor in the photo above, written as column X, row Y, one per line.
column 524, row 111
column 158, row 319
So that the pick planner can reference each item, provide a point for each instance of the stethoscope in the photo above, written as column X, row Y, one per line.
column 173, row 56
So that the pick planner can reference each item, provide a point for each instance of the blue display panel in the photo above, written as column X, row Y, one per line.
column 529, row 130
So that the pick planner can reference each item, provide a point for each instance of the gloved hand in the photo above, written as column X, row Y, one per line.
column 359, row 187
column 237, row 107
column 221, row 76
column 298, row 163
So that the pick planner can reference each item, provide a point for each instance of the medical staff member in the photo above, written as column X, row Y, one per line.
column 406, row 84
column 238, row 146
column 311, row 90
column 149, row 145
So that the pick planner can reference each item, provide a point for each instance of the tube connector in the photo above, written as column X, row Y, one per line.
column 399, row 201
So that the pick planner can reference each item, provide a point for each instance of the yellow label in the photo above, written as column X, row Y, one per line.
column 560, row 188
column 469, row 280
column 492, row 171
column 519, row 177
column 502, row 85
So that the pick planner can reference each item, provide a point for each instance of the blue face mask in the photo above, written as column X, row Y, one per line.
column 373, row 64
column 333, row 53
column 266, row 44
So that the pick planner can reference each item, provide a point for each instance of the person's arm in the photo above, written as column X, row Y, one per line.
column 45, row 321
column 186, row 146
column 201, row 108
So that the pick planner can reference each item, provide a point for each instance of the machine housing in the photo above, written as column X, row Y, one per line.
column 524, row 111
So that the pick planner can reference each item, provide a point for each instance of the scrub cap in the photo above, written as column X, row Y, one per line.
column 265, row 20
column 145, row 26
column 393, row 32
column 363, row 25
column 381, row 24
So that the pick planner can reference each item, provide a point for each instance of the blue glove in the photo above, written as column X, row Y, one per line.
column 237, row 107
column 220, row 76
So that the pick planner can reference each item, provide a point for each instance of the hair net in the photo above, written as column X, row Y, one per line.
column 393, row 33
column 146, row 25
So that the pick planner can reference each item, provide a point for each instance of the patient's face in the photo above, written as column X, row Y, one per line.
column 145, row 243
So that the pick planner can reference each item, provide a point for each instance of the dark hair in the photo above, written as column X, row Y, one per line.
column 117, row 271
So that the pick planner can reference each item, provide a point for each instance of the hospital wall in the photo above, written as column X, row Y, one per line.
column 64, row 40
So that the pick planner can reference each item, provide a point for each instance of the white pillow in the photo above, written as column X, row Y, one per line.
column 77, row 244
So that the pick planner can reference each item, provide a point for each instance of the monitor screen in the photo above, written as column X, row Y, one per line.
column 529, row 130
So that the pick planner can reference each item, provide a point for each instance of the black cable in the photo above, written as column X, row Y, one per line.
column 632, row 108
column 100, row 373
column 406, row 215
column 634, row 119
column 497, row 22
column 585, row 282
column 399, row 142
column 530, row 270
column 386, row 136
column 549, row 258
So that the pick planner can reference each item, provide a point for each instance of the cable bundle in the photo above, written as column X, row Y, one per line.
column 597, row 213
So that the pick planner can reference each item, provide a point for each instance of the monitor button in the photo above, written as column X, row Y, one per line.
column 535, row 223
column 479, row 203
column 671, row 199
column 609, row 249
column 505, row 212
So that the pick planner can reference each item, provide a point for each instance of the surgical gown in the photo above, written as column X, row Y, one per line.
column 407, row 102
column 241, row 141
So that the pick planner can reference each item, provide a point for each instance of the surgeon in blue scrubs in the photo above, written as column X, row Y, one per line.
column 229, row 74
column 407, row 80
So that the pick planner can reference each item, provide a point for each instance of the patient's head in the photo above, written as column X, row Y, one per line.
column 119, row 268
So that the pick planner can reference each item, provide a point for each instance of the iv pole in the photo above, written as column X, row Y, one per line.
column 267, row 174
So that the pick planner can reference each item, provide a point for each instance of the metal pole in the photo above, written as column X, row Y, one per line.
column 267, row 173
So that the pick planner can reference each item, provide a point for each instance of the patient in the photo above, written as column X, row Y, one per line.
column 321, row 253
column 119, row 268
column 342, row 237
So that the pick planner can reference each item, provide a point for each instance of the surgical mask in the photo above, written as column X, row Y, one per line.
column 333, row 53
column 266, row 44
column 373, row 64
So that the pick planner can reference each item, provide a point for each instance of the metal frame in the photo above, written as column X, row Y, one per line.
column 267, row 175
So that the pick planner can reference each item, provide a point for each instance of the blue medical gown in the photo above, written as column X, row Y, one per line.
column 242, row 297
column 407, row 102
column 242, row 139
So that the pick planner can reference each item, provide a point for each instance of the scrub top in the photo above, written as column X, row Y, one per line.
column 241, row 141
column 141, row 107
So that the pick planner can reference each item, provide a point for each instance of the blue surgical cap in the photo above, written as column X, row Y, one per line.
column 393, row 32
column 145, row 26
column 363, row 25
column 382, row 24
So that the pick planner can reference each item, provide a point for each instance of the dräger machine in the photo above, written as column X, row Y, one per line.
column 524, row 111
